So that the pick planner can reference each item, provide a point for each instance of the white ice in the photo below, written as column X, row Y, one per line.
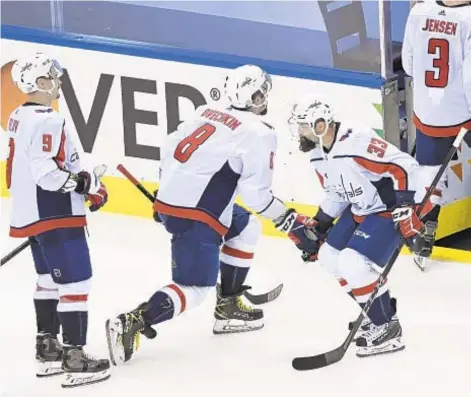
column 131, row 260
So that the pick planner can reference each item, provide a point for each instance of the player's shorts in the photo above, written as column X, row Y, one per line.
column 431, row 150
column 196, row 247
column 375, row 237
column 62, row 253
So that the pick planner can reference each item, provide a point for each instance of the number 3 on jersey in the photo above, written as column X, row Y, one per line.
column 441, row 49
column 191, row 143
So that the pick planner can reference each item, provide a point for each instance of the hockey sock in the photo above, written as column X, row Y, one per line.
column 162, row 308
column 232, row 278
column 47, row 319
column 74, row 327
column 381, row 311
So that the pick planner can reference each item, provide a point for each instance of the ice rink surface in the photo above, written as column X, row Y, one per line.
column 131, row 260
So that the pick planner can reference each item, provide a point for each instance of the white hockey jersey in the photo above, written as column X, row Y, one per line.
column 363, row 171
column 218, row 154
column 437, row 54
column 39, row 152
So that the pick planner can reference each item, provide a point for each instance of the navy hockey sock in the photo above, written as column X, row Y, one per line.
column 232, row 278
column 74, row 327
column 161, row 308
column 381, row 311
column 47, row 319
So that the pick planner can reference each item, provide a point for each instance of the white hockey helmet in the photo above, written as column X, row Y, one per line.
column 25, row 72
column 243, row 83
column 311, row 110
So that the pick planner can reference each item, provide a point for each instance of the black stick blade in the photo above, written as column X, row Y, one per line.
column 264, row 298
column 319, row 361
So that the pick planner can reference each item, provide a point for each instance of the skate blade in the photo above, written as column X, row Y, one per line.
column 391, row 346
column 236, row 326
column 421, row 262
column 48, row 368
column 114, row 332
column 77, row 379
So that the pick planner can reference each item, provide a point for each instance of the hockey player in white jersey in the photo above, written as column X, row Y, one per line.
column 222, row 152
column 365, row 179
column 49, row 188
column 437, row 54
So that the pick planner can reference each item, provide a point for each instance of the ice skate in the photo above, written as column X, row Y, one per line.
column 233, row 315
column 381, row 339
column 81, row 369
column 48, row 356
column 423, row 244
column 123, row 334
column 366, row 323
column 364, row 327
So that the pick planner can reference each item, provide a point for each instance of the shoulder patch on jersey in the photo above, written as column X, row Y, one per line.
column 268, row 125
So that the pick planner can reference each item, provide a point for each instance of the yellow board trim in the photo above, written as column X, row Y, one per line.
column 125, row 199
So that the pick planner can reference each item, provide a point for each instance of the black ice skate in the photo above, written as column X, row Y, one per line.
column 381, row 339
column 233, row 315
column 123, row 334
column 423, row 244
column 81, row 369
column 48, row 356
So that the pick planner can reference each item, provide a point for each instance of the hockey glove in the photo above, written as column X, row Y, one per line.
column 321, row 226
column 98, row 199
column 406, row 217
column 299, row 230
column 89, row 184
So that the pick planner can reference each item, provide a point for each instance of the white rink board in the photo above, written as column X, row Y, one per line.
column 355, row 104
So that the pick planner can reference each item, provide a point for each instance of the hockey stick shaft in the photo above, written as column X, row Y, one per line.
column 135, row 182
column 322, row 360
column 15, row 252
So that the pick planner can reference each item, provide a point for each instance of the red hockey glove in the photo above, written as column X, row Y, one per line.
column 98, row 199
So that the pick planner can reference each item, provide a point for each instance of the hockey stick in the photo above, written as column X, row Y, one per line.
column 255, row 299
column 15, row 252
column 333, row 356
column 264, row 298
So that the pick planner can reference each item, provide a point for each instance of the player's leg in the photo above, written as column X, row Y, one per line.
column 232, row 313
column 195, row 268
column 337, row 240
column 368, row 251
column 67, row 255
column 46, row 298
column 430, row 151
column 328, row 257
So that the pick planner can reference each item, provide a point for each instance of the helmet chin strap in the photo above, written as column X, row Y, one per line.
column 321, row 140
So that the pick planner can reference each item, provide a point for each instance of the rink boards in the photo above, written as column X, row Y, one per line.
column 121, row 99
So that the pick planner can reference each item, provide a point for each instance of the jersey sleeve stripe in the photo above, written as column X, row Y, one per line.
column 399, row 174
